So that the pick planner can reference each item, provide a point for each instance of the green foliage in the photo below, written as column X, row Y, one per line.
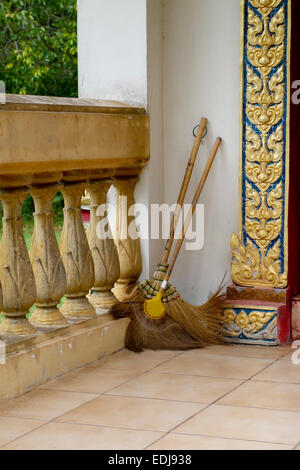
column 28, row 210
column 38, row 47
column 58, row 205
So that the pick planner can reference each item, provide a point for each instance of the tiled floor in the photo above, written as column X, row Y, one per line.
column 222, row 397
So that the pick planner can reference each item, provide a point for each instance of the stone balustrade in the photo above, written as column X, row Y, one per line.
column 51, row 144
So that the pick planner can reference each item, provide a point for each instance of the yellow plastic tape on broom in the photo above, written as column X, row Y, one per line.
column 154, row 308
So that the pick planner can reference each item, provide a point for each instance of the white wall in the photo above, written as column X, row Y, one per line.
column 112, row 50
column 188, row 68
column 155, row 109
column 201, row 78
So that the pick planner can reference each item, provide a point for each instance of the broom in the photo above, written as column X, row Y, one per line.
column 184, row 188
column 154, row 307
column 120, row 308
column 164, row 320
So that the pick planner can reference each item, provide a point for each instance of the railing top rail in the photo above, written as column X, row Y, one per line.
column 42, row 134
column 58, row 104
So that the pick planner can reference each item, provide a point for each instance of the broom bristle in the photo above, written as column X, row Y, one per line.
column 203, row 322
column 184, row 326
column 164, row 334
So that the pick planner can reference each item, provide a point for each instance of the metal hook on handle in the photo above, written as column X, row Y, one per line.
column 195, row 134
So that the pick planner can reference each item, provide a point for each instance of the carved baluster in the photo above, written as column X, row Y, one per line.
column 16, row 275
column 104, row 251
column 49, row 272
column 129, row 249
column 77, row 258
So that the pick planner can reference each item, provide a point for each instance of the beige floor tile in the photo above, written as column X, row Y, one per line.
column 188, row 442
column 289, row 356
column 91, row 380
column 281, row 427
column 176, row 387
column 281, row 371
column 128, row 360
column 60, row 436
column 12, row 428
column 43, row 404
column 265, row 395
column 252, row 351
column 212, row 365
column 133, row 413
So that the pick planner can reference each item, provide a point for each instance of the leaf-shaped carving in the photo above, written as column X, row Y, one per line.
column 277, row 86
column 277, row 26
column 253, row 145
column 253, row 201
column 275, row 201
column 275, row 143
column 255, row 86
column 255, row 27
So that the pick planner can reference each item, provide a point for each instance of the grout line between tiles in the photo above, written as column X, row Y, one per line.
column 206, row 403
column 94, row 398
column 8, row 400
column 109, row 426
column 79, row 424
column 152, row 371
column 143, row 372
column 233, row 439
column 285, row 355
column 104, row 361
column 211, row 404
column 197, row 375
column 23, row 419
column 48, row 421
column 25, row 434
column 274, row 382
column 240, row 356
column 102, row 393
column 257, row 408
column 108, row 394
column 138, row 373
column 297, row 446
column 43, row 423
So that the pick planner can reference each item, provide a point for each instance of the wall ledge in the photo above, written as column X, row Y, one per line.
column 35, row 361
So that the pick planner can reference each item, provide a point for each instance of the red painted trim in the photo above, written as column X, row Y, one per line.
column 284, row 322
column 294, row 194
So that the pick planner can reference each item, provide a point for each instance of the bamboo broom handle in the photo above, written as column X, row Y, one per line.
column 190, row 213
column 184, row 187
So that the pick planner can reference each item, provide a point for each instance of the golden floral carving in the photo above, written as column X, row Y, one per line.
column 264, row 219
column 258, row 268
column 252, row 324
column 266, row 37
column 265, row 6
